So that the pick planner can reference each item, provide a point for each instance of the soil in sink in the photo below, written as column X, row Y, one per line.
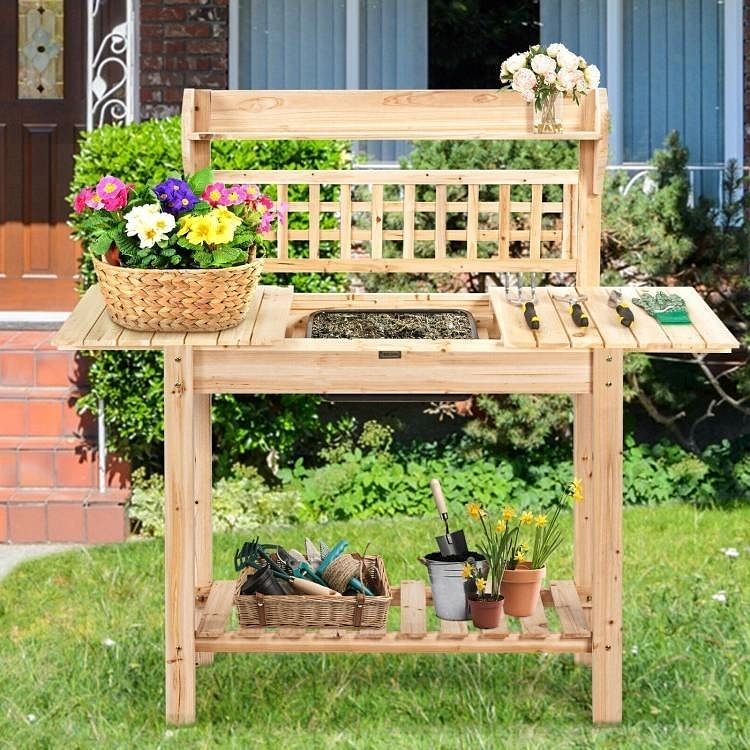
column 391, row 324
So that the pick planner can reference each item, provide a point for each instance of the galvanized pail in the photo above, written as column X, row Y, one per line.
column 450, row 590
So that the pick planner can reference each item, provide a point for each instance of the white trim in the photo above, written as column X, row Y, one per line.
column 614, row 42
column 234, row 44
column 733, row 88
column 352, row 44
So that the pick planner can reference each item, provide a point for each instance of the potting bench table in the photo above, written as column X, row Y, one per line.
column 269, row 353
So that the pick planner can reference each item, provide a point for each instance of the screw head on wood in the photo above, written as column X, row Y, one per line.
column 608, row 384
column 178, row 359
column 609, row 358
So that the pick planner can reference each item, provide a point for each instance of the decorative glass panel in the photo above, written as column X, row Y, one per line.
column 40, row 49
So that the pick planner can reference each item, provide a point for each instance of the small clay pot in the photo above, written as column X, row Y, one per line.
column 262, row 582
column 521, row 588
column 486, row 613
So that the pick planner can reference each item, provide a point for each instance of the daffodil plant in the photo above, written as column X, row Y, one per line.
column 193, row 223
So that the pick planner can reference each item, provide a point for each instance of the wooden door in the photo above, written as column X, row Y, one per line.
column 38, row 134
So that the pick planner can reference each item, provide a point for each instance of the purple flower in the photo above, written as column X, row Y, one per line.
column 175, row 195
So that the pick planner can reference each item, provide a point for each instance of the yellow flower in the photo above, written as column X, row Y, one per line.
column 199, row 229
column 541, row 520
column 508, row 513
column 481, row 583
column 527, row 518
column 520, row 557
column 523, row 547
column 467, row 571
column 475, row 510
column 575, row 490
column 500, row 526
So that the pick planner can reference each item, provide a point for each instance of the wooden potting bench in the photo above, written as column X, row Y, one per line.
column 269, row 353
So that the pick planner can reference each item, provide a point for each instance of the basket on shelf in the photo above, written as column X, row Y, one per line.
column 257, row 610
column 201, row 299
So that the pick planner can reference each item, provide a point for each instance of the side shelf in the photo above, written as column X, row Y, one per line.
column 532, row 634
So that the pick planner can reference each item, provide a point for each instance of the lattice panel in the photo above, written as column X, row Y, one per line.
column 406, row 220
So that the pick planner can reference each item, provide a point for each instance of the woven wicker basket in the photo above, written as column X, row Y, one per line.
column 203, row 299
column 257, row 610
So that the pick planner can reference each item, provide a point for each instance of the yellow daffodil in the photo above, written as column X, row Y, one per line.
column 575, row 490
column 520, row 557
column 466, row 571
column 523, row 547
column 527, row 518
column 500, row 526
column 475, row 510
column 508, row 513
column 481, row 583
column 541, row 520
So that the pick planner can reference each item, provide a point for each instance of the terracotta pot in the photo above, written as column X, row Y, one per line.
column 521, row 588
column 486, row 613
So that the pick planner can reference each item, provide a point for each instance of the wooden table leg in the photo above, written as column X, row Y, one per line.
column 203, row 489
column 179, row 535
column 606, row 614
column 582, row 512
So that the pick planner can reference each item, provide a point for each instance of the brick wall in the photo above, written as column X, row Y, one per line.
column 183, row 44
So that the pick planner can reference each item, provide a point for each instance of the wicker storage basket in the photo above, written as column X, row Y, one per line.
column 257, row 610
column 202, row 299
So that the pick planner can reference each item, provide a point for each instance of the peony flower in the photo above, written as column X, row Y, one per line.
column 524, row 81
column 82, row 199
column 567, row 59
column 567, row 79
column 554, row 49
column 542, row 64
column 592, row 76
column 516, row 62
column 550, row 78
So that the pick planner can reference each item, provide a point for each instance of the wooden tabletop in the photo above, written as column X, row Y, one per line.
column 277, row 320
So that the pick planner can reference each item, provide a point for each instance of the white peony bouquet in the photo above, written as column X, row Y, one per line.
column 542, row 73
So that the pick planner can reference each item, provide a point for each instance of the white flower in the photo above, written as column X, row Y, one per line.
column 592, row 76
column 30, row 718
column 528, row 96
column 524, row 81
column 567, row 59
column 151, row 226
column 516, row 62
column 730, row 551
column 168, row 733
column 108, row 643
column 554, row 49
column 720, row 596
column 634, row 650
column 542, row 64
column 566, row 79
column 581, row 62
column 550, row 77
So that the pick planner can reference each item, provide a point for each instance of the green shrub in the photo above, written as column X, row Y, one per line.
column 247, row 428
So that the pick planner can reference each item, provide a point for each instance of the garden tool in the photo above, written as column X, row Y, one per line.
column 313, row 554
column 337, row 550
column 527, row 305
column 577, row 313
column 621, row 307
column 299, row 568
column 450, row 544
column 667, row 309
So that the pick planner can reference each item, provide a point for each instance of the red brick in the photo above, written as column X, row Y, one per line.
column 118, row 472
column 75, row 469
column 74, row 423
column 66, row 522
column 3, row 523
column 16, row 368
column 150, row 95
column 106, row 524
column 6, row 339
column 29, row 496
column 45, row 417
column 163, row 14
column 36, row 468
column 8, row 468
column 13, row 416
column 54, row 368
column 27, row 524
column 193, row 30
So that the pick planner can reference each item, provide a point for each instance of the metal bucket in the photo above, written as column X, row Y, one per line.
column 450, row 590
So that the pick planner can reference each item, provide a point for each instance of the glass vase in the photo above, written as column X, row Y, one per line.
column 548, row 113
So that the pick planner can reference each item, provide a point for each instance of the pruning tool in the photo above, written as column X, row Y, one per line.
column 527, row 305
column 621, row 307
column 577, row 313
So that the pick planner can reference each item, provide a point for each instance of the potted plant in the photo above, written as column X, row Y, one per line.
column 523, row 576
column 544, row 75
column 178, row 256
column 497, row 545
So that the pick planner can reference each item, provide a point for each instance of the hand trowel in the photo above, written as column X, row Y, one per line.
column 451, row 544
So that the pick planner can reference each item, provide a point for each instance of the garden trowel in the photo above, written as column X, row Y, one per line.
column 450, row 544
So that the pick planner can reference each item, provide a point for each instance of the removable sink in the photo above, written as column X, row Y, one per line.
column 393, row 324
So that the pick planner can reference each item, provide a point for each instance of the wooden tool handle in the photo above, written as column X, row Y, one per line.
column 303, row 586
column 437, row 493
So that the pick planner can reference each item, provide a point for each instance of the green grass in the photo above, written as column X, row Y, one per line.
column 688, row 685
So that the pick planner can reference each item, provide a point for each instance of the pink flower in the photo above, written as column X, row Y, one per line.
column 524, row 81
column 265, row 221
column 236, row 195
column 253, row 193
column 93, row 200
column 81, row 200
column 117, row 201
column 266, row 202
column 281, row 212
column 109, row 186
column 216, row 194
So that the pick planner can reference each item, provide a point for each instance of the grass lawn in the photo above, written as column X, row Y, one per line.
column 81, row 657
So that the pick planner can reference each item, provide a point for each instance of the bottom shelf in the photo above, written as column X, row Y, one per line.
column 534, row 634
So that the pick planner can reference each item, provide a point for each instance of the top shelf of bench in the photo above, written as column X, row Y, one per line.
column 381, row 115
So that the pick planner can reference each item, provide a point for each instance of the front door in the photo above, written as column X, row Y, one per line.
column 42, row 110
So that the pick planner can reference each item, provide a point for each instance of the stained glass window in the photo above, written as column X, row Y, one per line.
column 40, row 49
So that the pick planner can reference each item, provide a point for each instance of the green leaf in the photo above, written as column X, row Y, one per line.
column 200, row 180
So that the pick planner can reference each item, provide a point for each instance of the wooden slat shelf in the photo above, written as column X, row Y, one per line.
column 412, row 637
column 277, row 317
